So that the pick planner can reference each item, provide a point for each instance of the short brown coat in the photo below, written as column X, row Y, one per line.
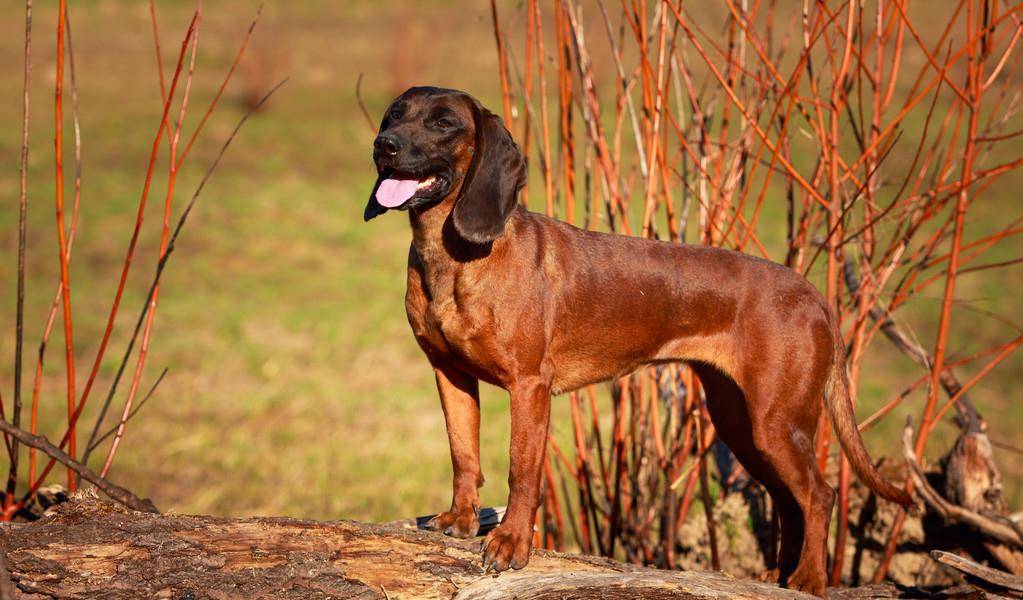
column 538, row 307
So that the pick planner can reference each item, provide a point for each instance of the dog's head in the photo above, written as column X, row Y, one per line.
column 436, row 144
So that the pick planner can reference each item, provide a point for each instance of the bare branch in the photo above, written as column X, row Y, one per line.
column 115, row 492
column 999, row 531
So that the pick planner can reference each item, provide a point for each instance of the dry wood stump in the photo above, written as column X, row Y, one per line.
column 90, row 548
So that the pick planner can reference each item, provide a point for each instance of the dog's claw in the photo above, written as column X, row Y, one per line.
column 462, row 524
column 505, row 548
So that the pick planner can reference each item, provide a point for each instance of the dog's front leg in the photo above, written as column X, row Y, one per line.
column 508, row 545
column 459, row 397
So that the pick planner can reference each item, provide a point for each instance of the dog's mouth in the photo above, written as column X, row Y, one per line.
column 396, row 189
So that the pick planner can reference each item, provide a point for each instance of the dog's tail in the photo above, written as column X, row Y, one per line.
column 836, row 394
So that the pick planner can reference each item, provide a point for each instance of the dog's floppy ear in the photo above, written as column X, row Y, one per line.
column 373, row 208
column 491, row 185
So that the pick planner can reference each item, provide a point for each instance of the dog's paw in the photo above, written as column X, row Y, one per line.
column 770, row 575
column 506, row 548
column 811, row 581
column 460, row 524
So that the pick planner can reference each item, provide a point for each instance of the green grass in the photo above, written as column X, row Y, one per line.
column 294, row 385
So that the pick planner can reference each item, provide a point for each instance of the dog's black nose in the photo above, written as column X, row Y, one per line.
column 386, row 144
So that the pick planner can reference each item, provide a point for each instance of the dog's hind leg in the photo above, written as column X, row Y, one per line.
column 783, row 432
column 459, row 396
column 728, row 411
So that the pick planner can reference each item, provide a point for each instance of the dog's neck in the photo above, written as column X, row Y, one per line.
column 428, row 230
column 440, row 248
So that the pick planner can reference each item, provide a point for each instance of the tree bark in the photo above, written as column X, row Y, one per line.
column 90, row 548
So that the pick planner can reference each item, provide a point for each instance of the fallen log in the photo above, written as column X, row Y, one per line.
column 1002, row 529
column 992, row 578
column 91, row 548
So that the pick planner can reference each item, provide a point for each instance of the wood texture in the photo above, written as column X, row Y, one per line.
column 1001, row 529
column 91, row 548
column 979, row 571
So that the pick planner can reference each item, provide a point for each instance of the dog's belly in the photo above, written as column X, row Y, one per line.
column 579, row 374
column 602, row 358
column 594, row 355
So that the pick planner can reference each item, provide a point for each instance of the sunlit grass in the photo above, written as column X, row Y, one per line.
column 294, row 384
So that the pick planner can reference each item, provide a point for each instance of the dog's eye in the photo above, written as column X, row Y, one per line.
column 395, row 114
column 444, row 123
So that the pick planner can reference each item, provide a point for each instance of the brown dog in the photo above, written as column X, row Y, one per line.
column 538, row 307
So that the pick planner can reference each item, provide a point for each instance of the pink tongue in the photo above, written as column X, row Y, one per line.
column 394, row 192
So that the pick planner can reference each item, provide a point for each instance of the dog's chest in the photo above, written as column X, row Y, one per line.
column 444, row 314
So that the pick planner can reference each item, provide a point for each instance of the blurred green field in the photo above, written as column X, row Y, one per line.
column 294, row 384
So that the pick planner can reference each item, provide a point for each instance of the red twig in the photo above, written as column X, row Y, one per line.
column 58, row 144
column 175, row 163
column 12, row 446
column 73, row 418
